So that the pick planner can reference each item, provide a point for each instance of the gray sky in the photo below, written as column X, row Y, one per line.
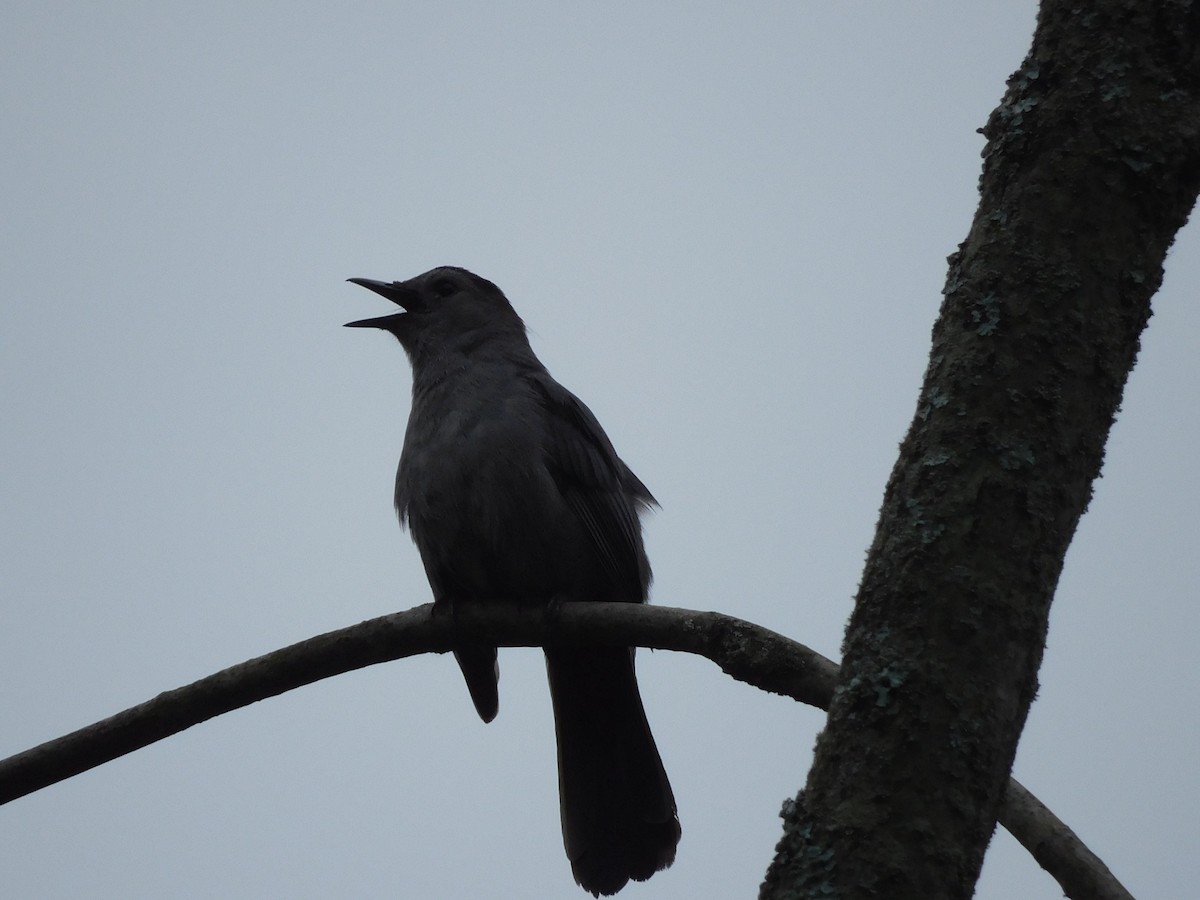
column 726, row 227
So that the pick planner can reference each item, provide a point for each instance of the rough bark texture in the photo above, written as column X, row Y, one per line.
column 1092, row 165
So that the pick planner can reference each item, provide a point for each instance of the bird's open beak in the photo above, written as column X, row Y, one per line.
column 403, row 296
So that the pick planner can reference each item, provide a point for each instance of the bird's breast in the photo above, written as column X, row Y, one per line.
column 473, row 479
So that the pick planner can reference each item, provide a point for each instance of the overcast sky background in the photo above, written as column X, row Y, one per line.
column 726, row 227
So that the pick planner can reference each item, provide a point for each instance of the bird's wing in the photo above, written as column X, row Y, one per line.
column 597, row 485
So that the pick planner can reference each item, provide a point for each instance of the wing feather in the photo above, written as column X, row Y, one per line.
column 601, row 490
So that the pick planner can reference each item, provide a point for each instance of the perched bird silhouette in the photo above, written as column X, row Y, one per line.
column 513, row 493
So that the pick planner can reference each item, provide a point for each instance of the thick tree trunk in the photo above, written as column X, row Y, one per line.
column 1092, row 165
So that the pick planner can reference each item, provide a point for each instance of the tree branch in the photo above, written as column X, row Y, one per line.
column 1080, row 873
column 747, row 652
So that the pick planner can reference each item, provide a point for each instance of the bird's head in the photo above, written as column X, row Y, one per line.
column 444, row 307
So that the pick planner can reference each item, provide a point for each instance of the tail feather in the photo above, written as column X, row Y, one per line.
column 482, row 674
column 618, row 810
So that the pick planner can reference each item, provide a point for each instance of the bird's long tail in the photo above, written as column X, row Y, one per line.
column 618, row 810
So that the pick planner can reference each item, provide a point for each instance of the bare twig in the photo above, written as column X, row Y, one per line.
column 747, row 652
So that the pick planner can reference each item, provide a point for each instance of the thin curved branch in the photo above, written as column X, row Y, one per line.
column 744, row 651
column 1079, row 872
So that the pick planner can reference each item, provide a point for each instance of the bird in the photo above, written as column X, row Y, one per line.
column 514, row 494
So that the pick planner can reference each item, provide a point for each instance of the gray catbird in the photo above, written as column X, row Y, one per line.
column 513, row 494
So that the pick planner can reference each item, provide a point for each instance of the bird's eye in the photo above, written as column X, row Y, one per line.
column 443, row 287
